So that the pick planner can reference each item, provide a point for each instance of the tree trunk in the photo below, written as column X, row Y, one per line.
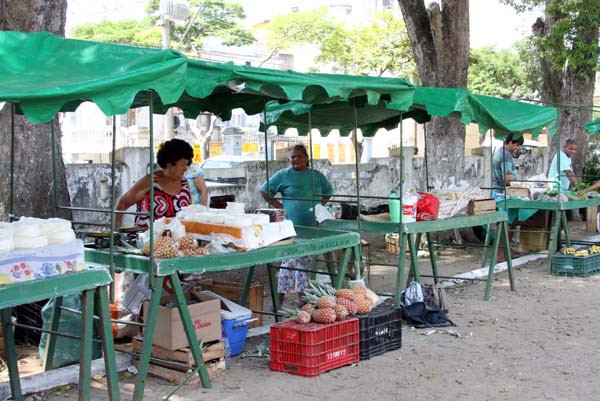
column 439, row 39
column 33, row 190
column 571, row 88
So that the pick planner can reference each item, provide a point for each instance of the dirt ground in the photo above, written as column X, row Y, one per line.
column 537, row 343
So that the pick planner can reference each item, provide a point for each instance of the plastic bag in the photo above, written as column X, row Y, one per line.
column 428, row 207
column 66, row 351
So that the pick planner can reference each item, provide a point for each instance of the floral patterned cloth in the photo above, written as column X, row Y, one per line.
column 287, row 278
column 32, row 264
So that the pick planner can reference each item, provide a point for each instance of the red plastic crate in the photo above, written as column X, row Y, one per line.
column 314, row 348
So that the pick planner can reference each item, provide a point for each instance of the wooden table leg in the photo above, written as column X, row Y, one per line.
column 52, row 338
column 11, row 354
column 401, row 265
column 87, row 334
column 151, row 317
column 490, row 277
column 108, row 348
column 188, row 328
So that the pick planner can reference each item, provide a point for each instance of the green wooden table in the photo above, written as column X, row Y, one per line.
column 308, row 242
column 560, row 216
column 406, row 232
column 94, row 285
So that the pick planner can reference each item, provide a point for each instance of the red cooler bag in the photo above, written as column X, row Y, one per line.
column 428, row 207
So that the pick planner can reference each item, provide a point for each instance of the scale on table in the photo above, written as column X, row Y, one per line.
column 127, row 234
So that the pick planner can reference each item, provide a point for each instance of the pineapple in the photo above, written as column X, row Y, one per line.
column 326, row 301
column 359, row 290
column 325, row 315
column 303, row 317
column 363, row 305
column 187, row 242
column 165, row 247
column 349, row 305
column 345, row 293
column 340, row 312
column 308, row 308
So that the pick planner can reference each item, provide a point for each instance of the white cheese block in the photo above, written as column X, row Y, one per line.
column 26, row 242
column 26, row 230
column 55, row 225
column 61, row 237
column 7, row 245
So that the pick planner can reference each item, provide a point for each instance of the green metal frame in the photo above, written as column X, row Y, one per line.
column 94, row 284
column 310, row 241
column 560, row 221
column 408, row 231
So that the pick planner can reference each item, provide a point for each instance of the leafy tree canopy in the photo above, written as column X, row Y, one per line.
column 568, row 41
column 207, row 18
column 501, row 73
column 374, row 49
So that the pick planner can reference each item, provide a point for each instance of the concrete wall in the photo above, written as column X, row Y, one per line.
column 89, row 184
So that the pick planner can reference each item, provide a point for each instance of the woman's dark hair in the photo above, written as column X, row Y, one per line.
column 172, row 151
column 510, row 138
column 301, row 147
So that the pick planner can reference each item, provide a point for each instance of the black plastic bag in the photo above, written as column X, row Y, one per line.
column 425, row 314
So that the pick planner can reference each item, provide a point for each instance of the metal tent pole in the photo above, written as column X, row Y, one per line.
column 356, row 162
column 312, row 167
column 12, row 161
column 112, row 210
column 54, row 172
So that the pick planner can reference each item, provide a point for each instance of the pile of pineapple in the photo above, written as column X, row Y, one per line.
column 326, row 304
column 167, row 247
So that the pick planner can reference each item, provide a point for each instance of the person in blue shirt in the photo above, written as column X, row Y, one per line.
column 503, row 164
column 296, row 182
column 566, row 177
column 198, row 190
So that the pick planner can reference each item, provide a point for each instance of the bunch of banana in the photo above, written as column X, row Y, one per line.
column 594, row 249
column 569, row 251
column 582, row 253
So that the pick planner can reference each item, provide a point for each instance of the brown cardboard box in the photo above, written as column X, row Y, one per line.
column 169, row 333
column 233, row 292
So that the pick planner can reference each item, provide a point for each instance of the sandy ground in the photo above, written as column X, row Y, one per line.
column 537, row 343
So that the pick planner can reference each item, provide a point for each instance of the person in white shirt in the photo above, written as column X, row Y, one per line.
column 566, row 176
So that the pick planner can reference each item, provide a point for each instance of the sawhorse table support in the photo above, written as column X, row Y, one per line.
column 93, row 284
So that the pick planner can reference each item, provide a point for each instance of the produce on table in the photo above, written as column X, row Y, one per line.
column 303, row 317
column 594, row 249
column 168, row 247
column 582, row 253
column 363, row 305
column 325, row 315
column 345, row 293
column 569, row 251
column 349, row 305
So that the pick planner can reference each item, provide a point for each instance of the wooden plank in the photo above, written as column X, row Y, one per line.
column 478, row 206
column 214, row 369
column 590, row 218
column 518, row 192
column 184, row 355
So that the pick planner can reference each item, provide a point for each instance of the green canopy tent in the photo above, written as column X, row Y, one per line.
column 43, row 74
column 592, row 127
column 502, row 115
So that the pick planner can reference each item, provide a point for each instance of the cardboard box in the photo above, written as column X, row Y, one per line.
column 479, row 206
column 591, row 219
column 233, row 292
column 169, row 333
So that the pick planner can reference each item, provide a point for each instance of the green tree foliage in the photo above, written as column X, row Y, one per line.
column 207, row 18
column 499, row 73
column 374, row 49
column 567, row 42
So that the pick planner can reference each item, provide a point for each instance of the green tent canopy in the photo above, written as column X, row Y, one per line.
column 504, row 116
column 592, row 127
column 44, row 74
